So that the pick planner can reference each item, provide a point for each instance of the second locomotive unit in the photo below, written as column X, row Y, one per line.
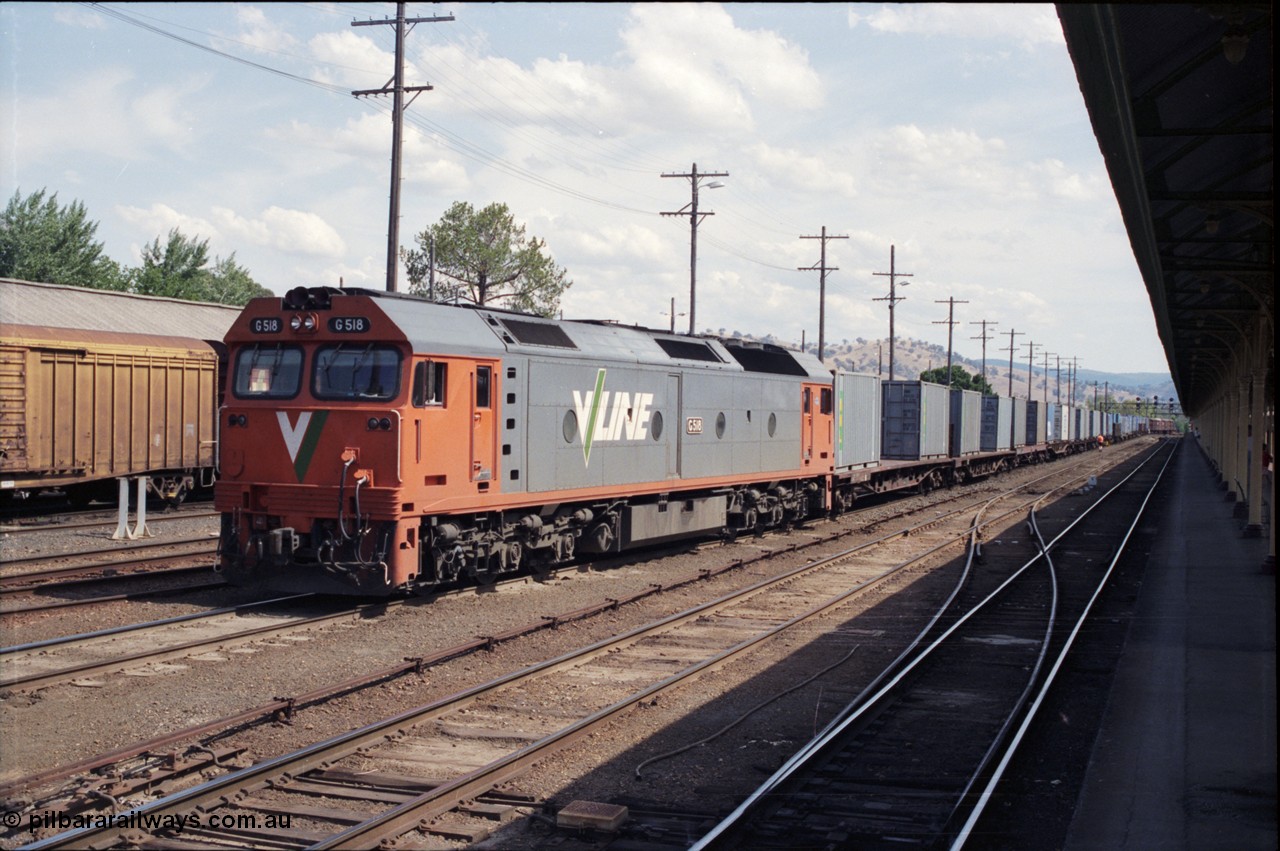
column 379, row 443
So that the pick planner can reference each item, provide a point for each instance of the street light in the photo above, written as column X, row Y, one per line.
column 691, row 210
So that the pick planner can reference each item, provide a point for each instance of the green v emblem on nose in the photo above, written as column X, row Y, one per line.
column 301, row 438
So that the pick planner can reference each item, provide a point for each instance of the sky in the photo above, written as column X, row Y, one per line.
column 952, row 135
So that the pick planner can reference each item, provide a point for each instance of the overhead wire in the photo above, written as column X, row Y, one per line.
column 468, row 93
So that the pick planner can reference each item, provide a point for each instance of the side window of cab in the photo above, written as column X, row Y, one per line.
column 429, row 384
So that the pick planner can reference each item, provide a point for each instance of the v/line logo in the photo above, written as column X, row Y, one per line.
column 301, row 438
column 600, row 422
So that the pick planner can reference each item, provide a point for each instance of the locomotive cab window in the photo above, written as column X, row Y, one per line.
column 357, row 372
column 268, row 372
column 824, row 401
column 429, row 382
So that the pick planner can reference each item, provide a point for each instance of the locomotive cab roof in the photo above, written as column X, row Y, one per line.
column 483, row 330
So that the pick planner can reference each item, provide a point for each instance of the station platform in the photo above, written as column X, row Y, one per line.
column 1186, row 755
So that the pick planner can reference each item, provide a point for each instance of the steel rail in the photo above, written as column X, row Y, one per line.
column 110, row 598
column 437, row 801
column 966, row 830
column 94, row 524
column 863, row 703
column 126, row 554
column 286, row 706
column 213, row 791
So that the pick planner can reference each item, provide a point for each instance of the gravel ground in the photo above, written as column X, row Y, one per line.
column 65, row 723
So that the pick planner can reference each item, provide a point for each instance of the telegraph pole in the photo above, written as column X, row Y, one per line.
column 691, row 210
column 1031, row 370
column 950, row 323
column 1047, row 355
column 396, row 88
column 983, row 337
column 1012, row 349
column 893, row 298
column 822, row 269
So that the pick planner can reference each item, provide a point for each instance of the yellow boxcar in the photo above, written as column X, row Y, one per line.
column 80, row 408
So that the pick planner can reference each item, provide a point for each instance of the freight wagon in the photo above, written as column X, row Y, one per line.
column 83, row 403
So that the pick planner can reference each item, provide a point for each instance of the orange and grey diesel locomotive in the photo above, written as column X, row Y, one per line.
column 378, row 443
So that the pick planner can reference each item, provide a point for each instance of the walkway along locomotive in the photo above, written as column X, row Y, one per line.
column 377, row 443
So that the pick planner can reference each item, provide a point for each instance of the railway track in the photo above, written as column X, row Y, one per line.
column 491, row 733
column 120, row 561
column 40, row 664
column 64, row 593
column 57, row 522
column 915, row 760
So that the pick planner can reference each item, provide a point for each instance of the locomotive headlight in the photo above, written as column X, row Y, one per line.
column 308, row 323
column 373, row 423
column 385, row 424
column 296, row 323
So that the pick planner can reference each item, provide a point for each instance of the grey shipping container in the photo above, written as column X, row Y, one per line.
column 1036, row 433
column 857, row 424
column 997, row 423
column 966, row 422
column 915, row 420
column 1019, row 423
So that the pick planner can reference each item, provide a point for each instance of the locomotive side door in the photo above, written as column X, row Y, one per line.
column 483, row 422
column 816, row 439
column 806, row 425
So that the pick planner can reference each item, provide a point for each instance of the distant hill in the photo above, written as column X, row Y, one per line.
column 912, row 357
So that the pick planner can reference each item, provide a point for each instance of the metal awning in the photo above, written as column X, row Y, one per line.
column 1181, row 101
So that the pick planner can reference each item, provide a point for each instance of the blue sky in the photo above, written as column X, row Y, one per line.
column 954, row 132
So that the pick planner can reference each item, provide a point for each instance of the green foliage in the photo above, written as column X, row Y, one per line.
column 231, row 283
column 41, row 241
column 181, row 269
column 486, row 258
column 173, row 271
column 960, row 379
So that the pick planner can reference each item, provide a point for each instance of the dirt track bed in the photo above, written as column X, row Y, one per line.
column 65, row 723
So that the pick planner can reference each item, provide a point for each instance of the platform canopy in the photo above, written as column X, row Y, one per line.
column 1181, row 101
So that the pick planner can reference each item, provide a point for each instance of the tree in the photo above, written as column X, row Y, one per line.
column 960, row 379
column 175, row 270
column 41, row 241
column 488, row 259
column 181, row 269
column 231, row 283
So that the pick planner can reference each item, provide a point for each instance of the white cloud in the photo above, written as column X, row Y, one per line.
column 1027, row 25
column 289, row 231
column 65, row 13
column 691, row 64
column 794, row 169
column 258, row 31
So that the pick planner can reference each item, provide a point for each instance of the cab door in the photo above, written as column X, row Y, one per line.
column 483, row 423
column 817, row 439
